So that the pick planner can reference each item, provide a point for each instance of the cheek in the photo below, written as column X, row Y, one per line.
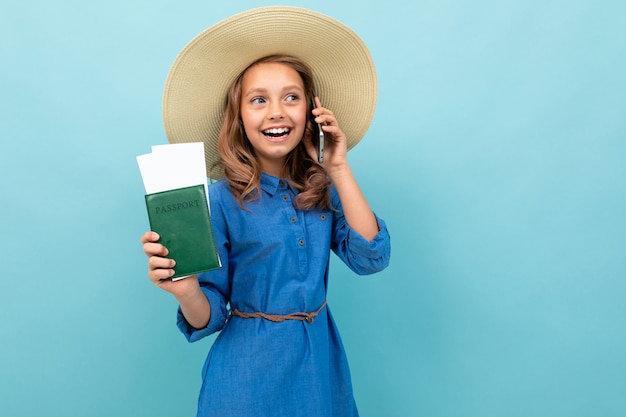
column 301, row 121
column 248, row 121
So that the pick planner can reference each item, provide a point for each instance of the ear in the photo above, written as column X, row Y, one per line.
column 308, row 131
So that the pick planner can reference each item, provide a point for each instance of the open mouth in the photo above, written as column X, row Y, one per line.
column 277, row 133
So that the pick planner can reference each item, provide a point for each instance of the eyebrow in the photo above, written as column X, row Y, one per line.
column 261, row 90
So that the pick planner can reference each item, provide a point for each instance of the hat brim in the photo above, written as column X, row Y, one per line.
column 198, row 81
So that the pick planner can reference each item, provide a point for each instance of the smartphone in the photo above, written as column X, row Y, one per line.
column 318, row 135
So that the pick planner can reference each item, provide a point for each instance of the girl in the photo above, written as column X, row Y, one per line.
column 276, row 216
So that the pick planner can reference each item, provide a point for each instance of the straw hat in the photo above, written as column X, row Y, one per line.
column 197, row 83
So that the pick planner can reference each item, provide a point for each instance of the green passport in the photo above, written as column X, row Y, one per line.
column 181, row 217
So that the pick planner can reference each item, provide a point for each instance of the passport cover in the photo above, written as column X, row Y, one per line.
column 182, row 220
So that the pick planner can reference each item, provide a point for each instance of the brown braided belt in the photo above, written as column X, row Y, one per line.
column 309, row 317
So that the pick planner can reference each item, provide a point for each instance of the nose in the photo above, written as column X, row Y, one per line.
column 276, row 111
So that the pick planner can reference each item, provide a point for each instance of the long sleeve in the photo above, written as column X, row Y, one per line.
column 360, row 255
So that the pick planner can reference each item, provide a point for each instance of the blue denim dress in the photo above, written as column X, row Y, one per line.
column 275, row 260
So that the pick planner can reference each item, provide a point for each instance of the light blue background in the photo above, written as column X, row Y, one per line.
column 497, row 156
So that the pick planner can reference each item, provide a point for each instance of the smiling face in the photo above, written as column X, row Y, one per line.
column 273, row 110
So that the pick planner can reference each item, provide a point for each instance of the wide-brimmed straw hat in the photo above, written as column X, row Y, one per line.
column 196, row 87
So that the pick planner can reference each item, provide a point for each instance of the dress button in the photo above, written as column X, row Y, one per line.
column 285, row 198
column 301, row 242
column 281, row 183
column 323, row 217
column 293, row 220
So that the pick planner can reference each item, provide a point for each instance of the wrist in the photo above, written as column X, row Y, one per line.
column 339, row 171
column 188, row 289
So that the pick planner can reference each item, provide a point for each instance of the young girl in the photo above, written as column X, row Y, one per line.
column 276, row 216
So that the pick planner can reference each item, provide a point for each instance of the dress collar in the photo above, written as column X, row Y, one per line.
column 272, row 185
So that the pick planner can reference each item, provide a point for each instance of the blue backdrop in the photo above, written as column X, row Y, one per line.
column 497, row 156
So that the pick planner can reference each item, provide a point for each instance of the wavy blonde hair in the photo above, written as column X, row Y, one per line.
column 238, row 160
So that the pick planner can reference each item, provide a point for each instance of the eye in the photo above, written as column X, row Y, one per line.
column 257, row 100
column 291, row 97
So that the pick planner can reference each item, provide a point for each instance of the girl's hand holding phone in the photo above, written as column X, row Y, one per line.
column 335, row 148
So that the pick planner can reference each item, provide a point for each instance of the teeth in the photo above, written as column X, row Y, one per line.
column 277, row 131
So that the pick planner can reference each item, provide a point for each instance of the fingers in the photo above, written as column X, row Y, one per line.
column 317, row 102
column 150, row 237
column 150, row 245
column 323, row 115
column 327, row 119
column 329, row 124
column 155, row 249
column 160, row 268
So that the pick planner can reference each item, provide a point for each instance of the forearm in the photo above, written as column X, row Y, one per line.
column 195, row 307
column 357, row 211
